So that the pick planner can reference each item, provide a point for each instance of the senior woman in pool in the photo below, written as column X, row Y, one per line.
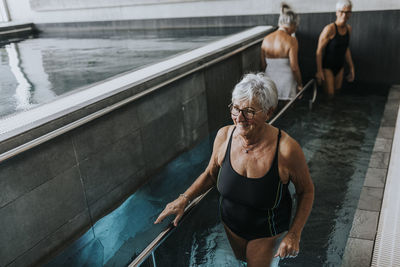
column 279, row 55
column 252, row 165
column 333, row 50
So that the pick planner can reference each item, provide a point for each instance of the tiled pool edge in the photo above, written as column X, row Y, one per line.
column 361, row 241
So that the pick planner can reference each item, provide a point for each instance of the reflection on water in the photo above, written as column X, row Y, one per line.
column 36, row 70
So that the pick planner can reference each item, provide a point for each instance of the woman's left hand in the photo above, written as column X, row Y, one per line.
column 289, row 246
column 350, row 77
column 299, row 88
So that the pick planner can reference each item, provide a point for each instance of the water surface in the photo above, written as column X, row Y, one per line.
column 36, row 70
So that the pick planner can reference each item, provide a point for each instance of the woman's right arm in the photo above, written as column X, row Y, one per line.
column 205, row 181
column 323, row 41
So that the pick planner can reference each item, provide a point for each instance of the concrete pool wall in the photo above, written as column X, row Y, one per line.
column 57, row 179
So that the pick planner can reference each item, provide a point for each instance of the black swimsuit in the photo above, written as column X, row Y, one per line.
column 253, row 208
column 335, row 52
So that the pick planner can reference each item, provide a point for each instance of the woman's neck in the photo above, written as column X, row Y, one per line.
column 281, row 28
column 257, row 140
column 255, row 137
column 340, row 24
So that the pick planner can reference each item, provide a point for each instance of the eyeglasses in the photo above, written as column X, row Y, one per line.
column 344, row 12
column 248, row 113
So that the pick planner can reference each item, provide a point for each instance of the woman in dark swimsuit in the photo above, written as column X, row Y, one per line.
column 333, row 50
column 252, row 165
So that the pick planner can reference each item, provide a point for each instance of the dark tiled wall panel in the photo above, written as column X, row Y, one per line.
column 374, row 44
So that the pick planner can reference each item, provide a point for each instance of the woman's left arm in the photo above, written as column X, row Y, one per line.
column 263, row 56
column 349, row 61
column 294, row 62
column 295, row 162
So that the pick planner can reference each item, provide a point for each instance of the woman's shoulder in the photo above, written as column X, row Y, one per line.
column 223, row 134
column 270, row 37
column 330, row 28
column 287, row 144
column 225, row 130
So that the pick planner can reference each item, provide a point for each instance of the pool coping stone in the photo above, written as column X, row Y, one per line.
column 360, row 244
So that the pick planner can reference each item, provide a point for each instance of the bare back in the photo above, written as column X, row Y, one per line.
column 278, row 44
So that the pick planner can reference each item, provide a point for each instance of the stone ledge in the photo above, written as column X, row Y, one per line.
column 364, row 224
column 370, row 199
column 375, row 177
column 358, row 252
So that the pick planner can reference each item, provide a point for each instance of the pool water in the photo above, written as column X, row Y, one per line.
column 36, row 70
column 337, row 136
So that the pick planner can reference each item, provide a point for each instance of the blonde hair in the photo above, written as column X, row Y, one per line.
column 288, row 17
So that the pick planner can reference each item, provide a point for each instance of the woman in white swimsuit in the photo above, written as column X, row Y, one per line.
column 279, row 55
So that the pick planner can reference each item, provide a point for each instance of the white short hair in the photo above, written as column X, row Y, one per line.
column 258, row 87
column 342, row 3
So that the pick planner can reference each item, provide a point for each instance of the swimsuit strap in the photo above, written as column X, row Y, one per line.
column 228, row 149
column 277, row 144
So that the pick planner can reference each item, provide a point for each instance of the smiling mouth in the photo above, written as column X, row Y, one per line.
column 243, row 125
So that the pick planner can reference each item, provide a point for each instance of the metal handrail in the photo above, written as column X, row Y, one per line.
column 310, row 82
column 149, row 250
column 51, row 135
column 165, row 233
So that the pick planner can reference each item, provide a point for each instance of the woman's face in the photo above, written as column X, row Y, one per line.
column 343, row 15
column 247, row 116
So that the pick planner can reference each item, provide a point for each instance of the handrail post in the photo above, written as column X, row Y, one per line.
column 154, row 259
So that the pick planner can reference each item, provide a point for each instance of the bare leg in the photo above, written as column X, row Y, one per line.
column 339, row 79
column 260, row 251
column 238, row 244
column 328, row 83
